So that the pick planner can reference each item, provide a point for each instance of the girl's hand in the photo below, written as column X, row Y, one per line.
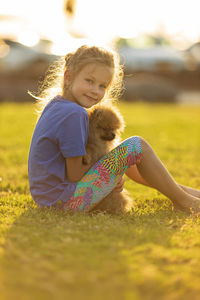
column 119, row 186
column 75, row 168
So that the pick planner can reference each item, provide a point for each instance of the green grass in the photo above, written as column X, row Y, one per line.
column 153, row 253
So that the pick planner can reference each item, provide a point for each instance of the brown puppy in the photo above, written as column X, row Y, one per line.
column 105, row 126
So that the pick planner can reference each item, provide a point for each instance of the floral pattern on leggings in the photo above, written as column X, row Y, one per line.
column 100, row 180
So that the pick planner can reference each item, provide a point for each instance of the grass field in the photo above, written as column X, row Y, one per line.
column 153, row 253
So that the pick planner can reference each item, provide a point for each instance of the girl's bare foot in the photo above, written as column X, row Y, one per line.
column 188, row 204
column 190, row 190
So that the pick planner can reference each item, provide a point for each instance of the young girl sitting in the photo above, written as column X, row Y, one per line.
column 57, row 176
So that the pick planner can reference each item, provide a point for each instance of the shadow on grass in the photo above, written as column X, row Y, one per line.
column 54, row 255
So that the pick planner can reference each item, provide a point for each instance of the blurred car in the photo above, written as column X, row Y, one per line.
column 157, row 58
column 157, row 73
column 20, row 70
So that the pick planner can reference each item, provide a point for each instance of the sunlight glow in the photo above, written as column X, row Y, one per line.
column 63, row 45
column 28, row 38
column 102, row 20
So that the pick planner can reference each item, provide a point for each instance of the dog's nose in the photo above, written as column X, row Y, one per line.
column 108, row 137
column 111, row 136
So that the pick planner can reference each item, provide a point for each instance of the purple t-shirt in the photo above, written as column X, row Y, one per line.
column 61, row 132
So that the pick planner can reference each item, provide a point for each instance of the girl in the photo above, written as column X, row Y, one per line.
column 57, row 176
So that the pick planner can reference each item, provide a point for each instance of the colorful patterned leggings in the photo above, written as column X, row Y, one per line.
column 100, row 180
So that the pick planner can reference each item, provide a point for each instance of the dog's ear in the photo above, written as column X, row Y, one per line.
column 98, row 113
column 95, row 114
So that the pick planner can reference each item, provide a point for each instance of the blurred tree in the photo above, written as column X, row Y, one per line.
column 69, row 7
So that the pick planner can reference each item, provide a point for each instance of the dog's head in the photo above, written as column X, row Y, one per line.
column 106, row 123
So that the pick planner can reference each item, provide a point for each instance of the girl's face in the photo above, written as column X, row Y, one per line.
column 88, row 86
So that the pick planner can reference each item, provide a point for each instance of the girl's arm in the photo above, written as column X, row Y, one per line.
column 75, row 168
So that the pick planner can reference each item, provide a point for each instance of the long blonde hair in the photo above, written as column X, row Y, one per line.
column 53, row 83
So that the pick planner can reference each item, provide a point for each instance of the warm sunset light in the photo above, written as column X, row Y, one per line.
column 128, row 19
column 100, row 149
column 28, row 38
column 100, row 20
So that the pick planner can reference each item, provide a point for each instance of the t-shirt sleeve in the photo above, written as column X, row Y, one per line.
column 72, row 134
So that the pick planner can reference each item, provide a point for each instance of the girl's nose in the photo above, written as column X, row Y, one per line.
column 95, row 90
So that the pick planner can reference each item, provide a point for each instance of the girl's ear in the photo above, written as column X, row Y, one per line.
column 67, row 76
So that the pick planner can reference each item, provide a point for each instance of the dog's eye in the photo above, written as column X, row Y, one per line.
column 107, row 129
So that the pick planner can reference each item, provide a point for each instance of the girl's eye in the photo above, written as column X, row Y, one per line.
column 103, row 86
column 89, row 80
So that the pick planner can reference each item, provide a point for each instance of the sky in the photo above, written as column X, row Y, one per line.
column 99, row 20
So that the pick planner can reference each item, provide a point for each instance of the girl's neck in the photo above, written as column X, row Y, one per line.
column 66, row 95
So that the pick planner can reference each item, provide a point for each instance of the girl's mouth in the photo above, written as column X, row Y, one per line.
column 91, row 98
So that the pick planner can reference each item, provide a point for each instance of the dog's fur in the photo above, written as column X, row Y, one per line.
column 105, row 127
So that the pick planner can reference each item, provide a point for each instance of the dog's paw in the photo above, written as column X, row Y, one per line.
column 86, row 160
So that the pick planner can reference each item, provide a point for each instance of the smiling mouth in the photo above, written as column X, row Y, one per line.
column 91, row 98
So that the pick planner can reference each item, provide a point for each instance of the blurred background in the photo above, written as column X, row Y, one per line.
column 158, row 42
